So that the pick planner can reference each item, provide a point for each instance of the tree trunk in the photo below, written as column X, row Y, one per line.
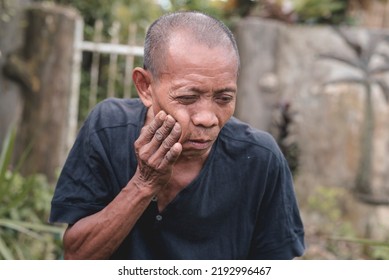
column 44, row 68
column 11, row 38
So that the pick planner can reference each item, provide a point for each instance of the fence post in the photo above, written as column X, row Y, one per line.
column 72, row 120
column 113, row 58
column 94, row 73
column 44, row 68
column 129, row 61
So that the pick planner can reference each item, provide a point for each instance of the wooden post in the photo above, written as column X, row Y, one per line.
column 44, row 68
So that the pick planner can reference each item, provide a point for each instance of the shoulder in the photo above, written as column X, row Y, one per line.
column 112, row 121
column 241, row 138
column 115, row 112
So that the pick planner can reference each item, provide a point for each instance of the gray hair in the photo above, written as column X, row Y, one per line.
column 204, row 29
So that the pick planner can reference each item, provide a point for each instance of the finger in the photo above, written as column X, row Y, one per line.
column 172, row 155
column 164, row 131
column 166, row 145
column 148, row 131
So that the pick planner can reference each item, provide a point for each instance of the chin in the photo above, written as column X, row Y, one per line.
column 194, row 154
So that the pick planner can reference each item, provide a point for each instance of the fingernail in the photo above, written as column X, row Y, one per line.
column 170, row 119
column 161, row 115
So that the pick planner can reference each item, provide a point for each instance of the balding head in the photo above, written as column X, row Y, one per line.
column 202, row 28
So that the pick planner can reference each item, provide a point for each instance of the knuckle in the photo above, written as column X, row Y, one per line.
column 166, row 145
column 143, row 129
column 149, row 129
column 175, row 135
column 164, row 130
column 148, row 164
column 143, row 152
column 139, row 143
column 176, row 132
column 159, row 135
column 162, row 133
column 168, row 156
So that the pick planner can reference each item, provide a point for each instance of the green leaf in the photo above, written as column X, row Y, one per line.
column 6, row 154
column 15, row 226
column 5, row 252
column 19, row 225
column 16, row 198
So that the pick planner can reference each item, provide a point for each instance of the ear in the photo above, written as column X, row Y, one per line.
column 142, row 82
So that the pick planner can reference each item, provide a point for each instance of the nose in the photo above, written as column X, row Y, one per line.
column 205, row 117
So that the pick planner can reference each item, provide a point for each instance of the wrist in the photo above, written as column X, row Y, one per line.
column 143, row 188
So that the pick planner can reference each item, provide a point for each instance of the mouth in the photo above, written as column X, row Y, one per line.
column 198, row 144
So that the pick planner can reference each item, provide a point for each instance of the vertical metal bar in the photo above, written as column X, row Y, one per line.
column 129, row 62
column 113, row 60
column 75, row 86
column 94, row 79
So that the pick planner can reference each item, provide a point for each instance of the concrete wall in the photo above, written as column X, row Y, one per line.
column 281, row 63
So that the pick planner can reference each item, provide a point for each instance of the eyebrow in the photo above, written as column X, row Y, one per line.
column 219, row 91
column 226, row 89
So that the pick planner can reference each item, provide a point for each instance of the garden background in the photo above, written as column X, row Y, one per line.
column 314, row 74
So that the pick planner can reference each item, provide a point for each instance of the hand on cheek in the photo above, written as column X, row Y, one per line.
column 157, row 149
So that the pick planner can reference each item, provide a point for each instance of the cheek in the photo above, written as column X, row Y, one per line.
column 228, row 111
column 227, row 114
column 182, row 116
column 224, row 113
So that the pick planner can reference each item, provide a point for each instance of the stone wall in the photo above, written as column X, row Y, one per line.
column 283, row 63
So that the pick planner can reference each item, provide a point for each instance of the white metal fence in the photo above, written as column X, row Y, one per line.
column 113, row 48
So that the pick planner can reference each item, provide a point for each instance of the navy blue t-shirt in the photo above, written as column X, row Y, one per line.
column 242, row 205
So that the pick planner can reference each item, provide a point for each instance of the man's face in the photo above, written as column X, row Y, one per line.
column 198, row 88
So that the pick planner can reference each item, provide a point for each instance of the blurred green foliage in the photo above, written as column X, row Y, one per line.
column 123, row 11
column 25, row 206
column 332, row 209
column 321, row 11
column 304, row 11
column 141, row 12
column 328, row 204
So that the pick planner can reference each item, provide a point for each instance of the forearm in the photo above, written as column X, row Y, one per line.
column 99, row 235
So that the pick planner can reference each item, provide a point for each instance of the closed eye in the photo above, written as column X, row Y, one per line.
column 224, row 99
column 186, row 99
